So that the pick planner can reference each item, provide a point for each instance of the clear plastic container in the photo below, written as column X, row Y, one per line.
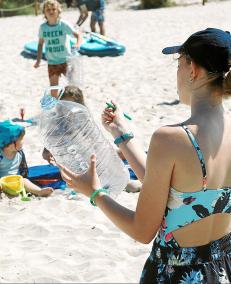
column 75, row 69
column 69, row 132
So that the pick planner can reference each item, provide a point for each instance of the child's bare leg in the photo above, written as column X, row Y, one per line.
column 54, row 81
column 34, row 189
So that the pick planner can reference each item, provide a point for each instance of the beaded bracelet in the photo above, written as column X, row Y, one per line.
column 95, row 193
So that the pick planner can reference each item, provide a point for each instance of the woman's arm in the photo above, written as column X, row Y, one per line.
column 134, row 154
column 116, row 124
column 142, row 224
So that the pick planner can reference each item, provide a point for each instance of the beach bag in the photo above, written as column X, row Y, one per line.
column 46, row 176
column 50, row 176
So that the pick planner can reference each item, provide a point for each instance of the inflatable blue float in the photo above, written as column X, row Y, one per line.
column 97, row 45
column 31, row 48
column 93, row 45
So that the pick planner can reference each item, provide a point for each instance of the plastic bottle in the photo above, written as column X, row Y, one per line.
column 69, row 132
column 75, row 68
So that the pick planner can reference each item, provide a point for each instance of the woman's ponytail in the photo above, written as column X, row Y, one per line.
column 227, row 84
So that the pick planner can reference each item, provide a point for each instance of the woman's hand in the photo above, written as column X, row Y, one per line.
column 86, row 183
column 113, row 120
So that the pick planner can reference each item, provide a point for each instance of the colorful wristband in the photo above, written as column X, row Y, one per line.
column 123, row 137
column 95, row 193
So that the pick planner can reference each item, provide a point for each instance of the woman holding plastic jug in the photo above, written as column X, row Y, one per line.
column 186, row 193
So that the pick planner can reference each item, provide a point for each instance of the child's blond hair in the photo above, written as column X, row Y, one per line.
column 52, row 3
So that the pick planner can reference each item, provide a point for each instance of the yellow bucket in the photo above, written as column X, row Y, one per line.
column 12, row 185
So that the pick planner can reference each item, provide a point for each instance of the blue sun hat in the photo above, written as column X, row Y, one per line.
column 9, row 132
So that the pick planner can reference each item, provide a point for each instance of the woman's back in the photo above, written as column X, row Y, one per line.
column 214, row 141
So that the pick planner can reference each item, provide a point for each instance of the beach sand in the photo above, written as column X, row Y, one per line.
column 56, row 240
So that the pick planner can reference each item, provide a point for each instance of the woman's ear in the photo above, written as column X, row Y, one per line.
column 193, row 71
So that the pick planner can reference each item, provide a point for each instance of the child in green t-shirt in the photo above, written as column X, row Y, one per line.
column 54, row 33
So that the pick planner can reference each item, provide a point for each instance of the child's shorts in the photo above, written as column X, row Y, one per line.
column 98, row 16
column 57, row 69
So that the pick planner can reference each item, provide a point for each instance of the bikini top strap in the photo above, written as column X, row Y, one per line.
column 199, row 154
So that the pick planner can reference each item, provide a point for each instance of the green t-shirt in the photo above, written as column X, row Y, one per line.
column 57, row 42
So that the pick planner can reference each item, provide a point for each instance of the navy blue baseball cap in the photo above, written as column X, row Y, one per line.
column 210, row 48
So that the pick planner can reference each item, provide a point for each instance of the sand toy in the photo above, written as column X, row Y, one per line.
column 14, row 185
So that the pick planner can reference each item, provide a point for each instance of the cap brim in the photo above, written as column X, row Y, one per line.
column 172, row 49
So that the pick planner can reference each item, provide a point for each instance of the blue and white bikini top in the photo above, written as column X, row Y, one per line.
column 184, row 208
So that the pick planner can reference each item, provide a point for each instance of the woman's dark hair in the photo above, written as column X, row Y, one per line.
column 75, row 93
column 217, row 80
column 227, row 84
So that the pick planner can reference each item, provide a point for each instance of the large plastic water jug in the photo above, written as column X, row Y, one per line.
column 69, row 132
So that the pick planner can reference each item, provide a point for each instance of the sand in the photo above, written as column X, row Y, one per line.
column 56, row 240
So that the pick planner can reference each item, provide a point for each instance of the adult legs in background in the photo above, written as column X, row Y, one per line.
column 92, row 25
column 98, row 17
column 102, row 28
column 68, row 2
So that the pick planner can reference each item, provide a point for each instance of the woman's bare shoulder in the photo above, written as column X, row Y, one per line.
column 169, row 139
column 168, row 133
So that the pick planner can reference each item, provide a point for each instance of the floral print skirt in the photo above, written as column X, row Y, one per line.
column 209, row 263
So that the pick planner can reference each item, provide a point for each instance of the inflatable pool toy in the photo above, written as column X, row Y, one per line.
column 98, row 45
column 93, row 45
column 14, row 185
column 31, row 49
